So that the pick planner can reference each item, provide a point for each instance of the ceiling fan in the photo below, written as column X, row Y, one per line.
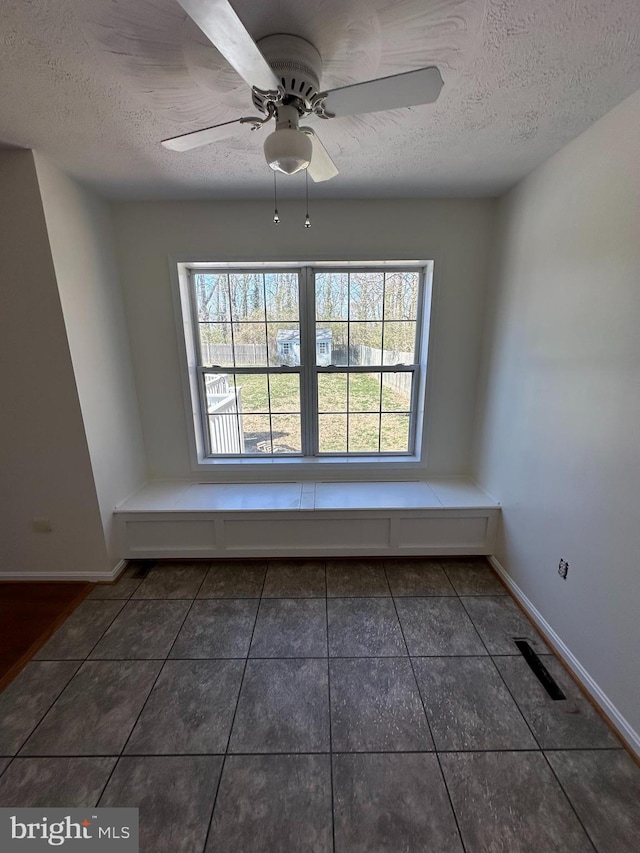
column 283, row 72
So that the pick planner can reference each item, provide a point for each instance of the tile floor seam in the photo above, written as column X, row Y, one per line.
column 468, row 615
column 101, row 637
column 233, row 719
column 377, row 751
column 333, row 813
column 144, row 704
column 569, row 800
column 293, row 657
column 548, row 763
column 58, row 695
column 497, row 668
column 60, row 627
column 424, row 711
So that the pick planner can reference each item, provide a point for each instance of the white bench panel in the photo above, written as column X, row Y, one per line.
column 207, row 520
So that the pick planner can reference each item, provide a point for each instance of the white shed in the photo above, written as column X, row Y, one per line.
column 288, row 342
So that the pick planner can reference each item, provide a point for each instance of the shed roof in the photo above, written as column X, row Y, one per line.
column 292, row 336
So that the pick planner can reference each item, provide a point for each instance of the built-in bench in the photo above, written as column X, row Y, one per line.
column 306, row 519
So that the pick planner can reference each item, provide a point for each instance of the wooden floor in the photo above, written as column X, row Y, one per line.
column 29, row 614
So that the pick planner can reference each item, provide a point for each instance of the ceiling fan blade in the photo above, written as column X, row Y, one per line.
column 197, row 138
column 386, row 93
column 225, row 30
column 321, row 168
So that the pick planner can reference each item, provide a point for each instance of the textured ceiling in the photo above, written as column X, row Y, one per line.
column 95, row 84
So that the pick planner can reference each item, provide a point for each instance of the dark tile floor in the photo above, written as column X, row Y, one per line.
column 308, row 706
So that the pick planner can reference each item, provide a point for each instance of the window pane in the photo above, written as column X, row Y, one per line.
column 364, row 392
column 247, row 296
column 365, row 319
column 220, row 393
column 324, row 346
column 286, row 433
column 284, row 344
column 363, row 433
column 282, row 296
column 401, row 296
column 215, row 343
column 253, row 394
column 224, row 435
column 332, row 295
column 399, row 343
column 396, row 392
column 257, row 433
column 334, row 336
column 249, row 344
column 366, row 295
column 212, row 297
column 365, row 343
column 332, row 433
column 285, row 392
column 332, row 392
column 394, row 434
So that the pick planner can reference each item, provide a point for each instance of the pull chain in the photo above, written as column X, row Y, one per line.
column 276, row 218
column 307, row 221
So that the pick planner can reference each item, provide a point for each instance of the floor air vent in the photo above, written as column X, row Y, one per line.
column 539, row 670
column 141, row 568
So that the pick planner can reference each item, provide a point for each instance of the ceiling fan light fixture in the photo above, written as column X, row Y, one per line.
column 288, row 150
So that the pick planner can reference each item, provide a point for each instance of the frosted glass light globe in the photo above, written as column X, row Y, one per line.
column 288, row 150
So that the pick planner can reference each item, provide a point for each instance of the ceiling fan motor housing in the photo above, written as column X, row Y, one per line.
column 297, row 64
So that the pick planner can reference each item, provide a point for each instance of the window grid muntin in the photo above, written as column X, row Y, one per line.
column 236, row 369
column 248, row 371
column 414, row 369
column 349, row 368
column 308, row 370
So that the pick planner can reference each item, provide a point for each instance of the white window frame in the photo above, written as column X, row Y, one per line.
column 193, row 372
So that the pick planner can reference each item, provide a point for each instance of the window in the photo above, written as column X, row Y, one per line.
column 318, row 361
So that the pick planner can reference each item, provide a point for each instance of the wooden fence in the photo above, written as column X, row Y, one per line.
column 358, row 354
column 400, row 381
column 224, row 411
column 246, row 354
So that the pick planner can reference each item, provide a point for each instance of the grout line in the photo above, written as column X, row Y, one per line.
column 235, row 711
column 533, row 734
column 531, row 750
column 57, row 696
column 568, row 799
column 302, row 597
column 153, row 686
column 283, row 657
column 333, row 817
column 81, row 662
column 86, row 658
column 426, row 716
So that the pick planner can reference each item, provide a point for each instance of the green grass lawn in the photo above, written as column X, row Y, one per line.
column 367, row 429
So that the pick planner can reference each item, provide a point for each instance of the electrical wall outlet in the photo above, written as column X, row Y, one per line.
column 563, row 568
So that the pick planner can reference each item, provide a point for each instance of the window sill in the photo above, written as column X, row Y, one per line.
column 309, row 464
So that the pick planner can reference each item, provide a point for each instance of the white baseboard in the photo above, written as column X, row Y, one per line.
column 620, row 723
column 53, row 577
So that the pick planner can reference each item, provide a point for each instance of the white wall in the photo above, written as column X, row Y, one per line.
column 81, row 238
column 456, row 234
column 45, row 469
column 559, row 416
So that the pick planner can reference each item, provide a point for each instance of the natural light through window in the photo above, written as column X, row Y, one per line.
column 309, row 362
